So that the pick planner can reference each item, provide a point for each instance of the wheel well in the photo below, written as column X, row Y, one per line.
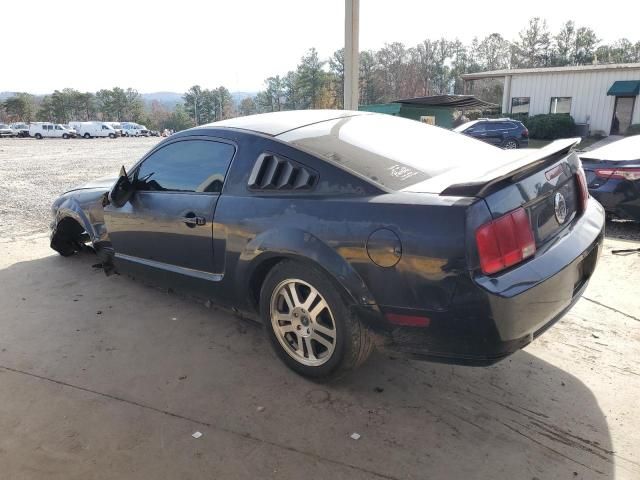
column 262, row 270
column 68, row 228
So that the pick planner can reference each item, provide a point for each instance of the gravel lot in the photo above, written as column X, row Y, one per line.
column 104, row 377
column 34, row 172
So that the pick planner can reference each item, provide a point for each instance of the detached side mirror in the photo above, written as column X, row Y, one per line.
column 122, row 190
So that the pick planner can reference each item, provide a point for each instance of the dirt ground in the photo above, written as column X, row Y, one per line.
column 105, row 377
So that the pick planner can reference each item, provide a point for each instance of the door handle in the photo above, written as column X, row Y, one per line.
column 192, row 220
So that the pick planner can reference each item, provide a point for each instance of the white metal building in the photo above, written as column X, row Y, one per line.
column 605, row 97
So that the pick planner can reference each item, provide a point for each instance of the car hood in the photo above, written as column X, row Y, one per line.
column 104, row 183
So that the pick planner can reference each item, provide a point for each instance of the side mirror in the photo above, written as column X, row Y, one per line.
column 122, row 190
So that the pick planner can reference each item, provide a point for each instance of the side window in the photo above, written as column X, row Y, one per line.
column 186, row 166
column 479, row 128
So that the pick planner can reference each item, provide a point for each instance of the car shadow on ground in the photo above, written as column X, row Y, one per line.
column 623, row 230
column 116, row 337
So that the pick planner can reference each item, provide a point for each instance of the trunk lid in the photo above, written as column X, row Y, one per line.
column 544, row 182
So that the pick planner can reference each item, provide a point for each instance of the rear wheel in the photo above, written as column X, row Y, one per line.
column 510, row 144
column 309, row 324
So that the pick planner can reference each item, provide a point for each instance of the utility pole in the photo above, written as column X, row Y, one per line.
column 351, row 54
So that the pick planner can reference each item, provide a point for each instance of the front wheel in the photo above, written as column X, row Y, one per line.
column 86, row 135
column 65, row 136
column 309, row 324
column 112, row 135
column 38, row 136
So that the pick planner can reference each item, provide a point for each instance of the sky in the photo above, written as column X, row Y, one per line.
column 170, row 45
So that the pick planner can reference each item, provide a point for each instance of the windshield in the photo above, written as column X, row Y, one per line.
column 2, row 125
column 390, row 151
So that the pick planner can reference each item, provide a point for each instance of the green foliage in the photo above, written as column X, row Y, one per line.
column 633, row 130
column 550, row 126
column 206, row 106
column 20, row 107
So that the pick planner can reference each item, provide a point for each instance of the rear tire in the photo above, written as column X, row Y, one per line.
column 510, row 144
column 313, row 332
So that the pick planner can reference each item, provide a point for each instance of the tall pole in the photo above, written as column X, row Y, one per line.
column 351, row 54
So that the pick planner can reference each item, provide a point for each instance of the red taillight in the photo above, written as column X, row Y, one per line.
column 505, row 241
column 525, row 133
column 632, row 173
column 584, row 189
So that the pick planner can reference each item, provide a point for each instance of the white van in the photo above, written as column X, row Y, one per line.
column 42, row 130
column 93, row 129
column 117, row 127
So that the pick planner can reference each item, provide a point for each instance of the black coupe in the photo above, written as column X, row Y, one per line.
column 346, row 230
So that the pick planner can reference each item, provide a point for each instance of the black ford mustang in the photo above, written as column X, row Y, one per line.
column 343, row 230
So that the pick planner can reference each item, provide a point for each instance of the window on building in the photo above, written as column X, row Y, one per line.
column 520, row 105
column 560, row 105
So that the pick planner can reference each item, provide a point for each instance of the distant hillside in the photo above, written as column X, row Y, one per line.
column 167, row 99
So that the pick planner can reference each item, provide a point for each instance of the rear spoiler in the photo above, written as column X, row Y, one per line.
column 509, row 172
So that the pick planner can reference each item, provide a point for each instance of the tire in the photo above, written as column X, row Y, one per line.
column 38, row 136
column 65, row 136
column 510, row 144
column 127, row 134
column 338, row 341
column 112, row 135
column 86, row 135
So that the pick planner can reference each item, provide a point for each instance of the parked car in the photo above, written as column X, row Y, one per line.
column 42, row 130
column 613, row 177
column 502, row 132
column 336, row 228
column 6, row 131
column 93, row 129
column 131, row 129
column 20, row 129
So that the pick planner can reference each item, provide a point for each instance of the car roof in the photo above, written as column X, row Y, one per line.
column 276, row 123
column 621, row 150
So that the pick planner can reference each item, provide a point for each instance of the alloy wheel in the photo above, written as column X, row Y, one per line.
column 303, row 322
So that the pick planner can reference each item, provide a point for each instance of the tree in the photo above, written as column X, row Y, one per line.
column 311, row 79
column 291, row 91
column 533, row 47
column 336, row 67
column 193, row 103
column 20, row 107
column 368, row 88
column 585, row 46
column 493, row 53
column 178, row 119
column 564, row 43
column 248, row 106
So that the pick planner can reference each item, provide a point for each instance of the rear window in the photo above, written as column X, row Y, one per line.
column 392, row 152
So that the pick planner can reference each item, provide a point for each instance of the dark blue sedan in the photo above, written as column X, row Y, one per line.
column 341, row 231
column 613, row 177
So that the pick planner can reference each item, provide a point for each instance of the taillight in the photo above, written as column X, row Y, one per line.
column 630, row 173
column 583, row 194
column 505, row 241
column 525, row 133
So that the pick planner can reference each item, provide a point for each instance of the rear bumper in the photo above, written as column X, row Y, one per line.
column 493, row 317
